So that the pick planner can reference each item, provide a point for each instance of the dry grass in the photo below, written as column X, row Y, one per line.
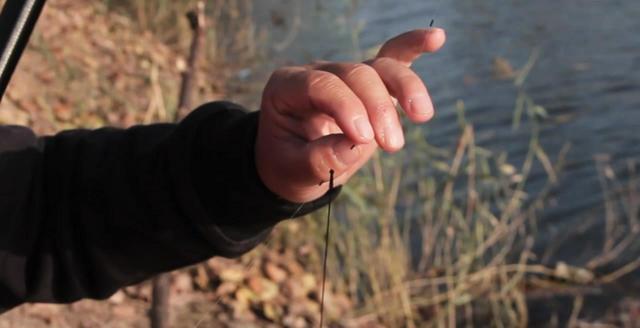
column 438, row 237
column 443, row 237
column 429, row 237
column 99, row 64
column 466, row 213
column 232, row 32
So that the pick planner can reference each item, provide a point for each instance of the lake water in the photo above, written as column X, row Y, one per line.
column 587, row 77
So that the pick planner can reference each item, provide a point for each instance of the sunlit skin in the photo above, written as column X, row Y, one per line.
column 334, row 115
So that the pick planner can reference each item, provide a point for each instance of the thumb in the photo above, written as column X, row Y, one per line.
column 333, row 152
column 307, row 165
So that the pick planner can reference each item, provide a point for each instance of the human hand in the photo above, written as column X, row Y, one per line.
column 329, row 115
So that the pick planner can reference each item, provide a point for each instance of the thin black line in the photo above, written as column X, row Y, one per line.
column 326, row 251
column 431, row 24
column 17, row 20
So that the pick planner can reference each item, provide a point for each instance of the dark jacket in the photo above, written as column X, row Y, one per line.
column 83, row 213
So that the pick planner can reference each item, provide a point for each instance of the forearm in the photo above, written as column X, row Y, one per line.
column 107, row 208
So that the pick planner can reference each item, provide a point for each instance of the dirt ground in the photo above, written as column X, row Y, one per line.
column 87, row 67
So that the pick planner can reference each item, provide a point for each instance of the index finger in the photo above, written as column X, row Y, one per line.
column 408, row 46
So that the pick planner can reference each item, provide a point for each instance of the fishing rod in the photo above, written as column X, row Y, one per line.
column 17, row 20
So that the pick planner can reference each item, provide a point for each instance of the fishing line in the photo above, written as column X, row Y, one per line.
column 326, row 239
column 326, row 250
column 326, row 244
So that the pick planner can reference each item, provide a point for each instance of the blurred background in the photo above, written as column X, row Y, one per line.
column 517, row 205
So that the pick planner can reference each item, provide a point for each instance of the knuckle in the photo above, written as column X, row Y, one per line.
column 359, row 71
column 327, row 90
column 382, row 61
column 408, row 76
column 321, row 80
column 381, row 107
column 280, row 76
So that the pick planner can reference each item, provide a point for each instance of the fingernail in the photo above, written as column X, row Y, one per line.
column 420, row 106
column 346, row 152
column 394, row 139
column 364, row 128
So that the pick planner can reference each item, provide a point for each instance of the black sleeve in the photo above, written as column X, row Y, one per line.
column 84, row 213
